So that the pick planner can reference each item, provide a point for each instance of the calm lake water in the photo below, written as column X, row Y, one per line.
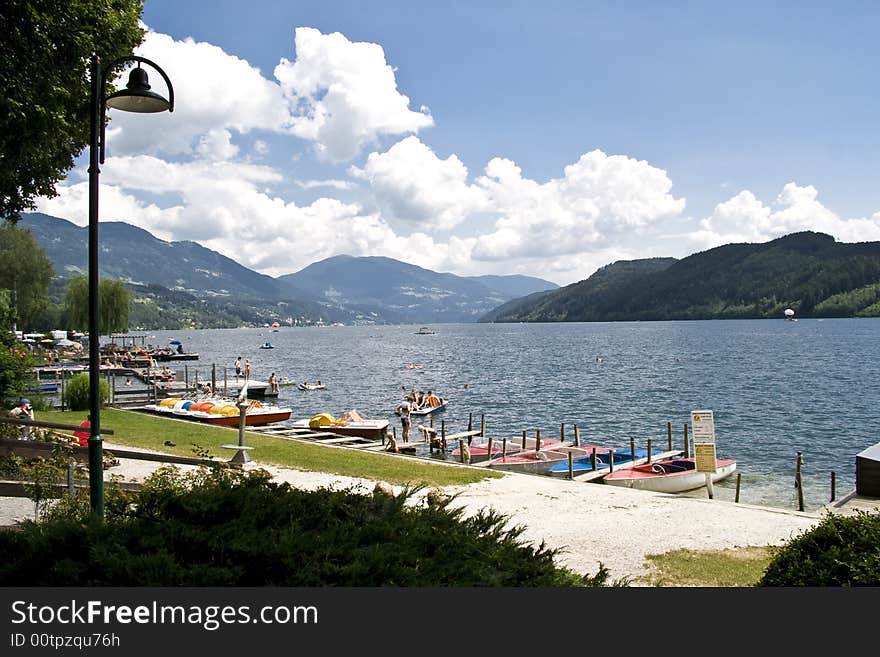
column 776, row 387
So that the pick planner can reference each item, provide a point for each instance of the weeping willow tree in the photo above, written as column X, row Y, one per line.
column 113, row 298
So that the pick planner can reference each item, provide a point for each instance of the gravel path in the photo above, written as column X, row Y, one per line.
column 589, row 523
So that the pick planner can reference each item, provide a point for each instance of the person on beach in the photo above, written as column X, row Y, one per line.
column 237, row 368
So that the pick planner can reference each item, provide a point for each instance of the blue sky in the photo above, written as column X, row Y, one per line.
column 546, row 139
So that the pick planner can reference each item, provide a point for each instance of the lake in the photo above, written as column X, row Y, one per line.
column 776, row 387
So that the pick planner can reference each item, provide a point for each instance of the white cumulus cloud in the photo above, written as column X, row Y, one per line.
column 599, row 198
column 744, row 218
column 345, row 94
column 412, row 184
column 213, row 91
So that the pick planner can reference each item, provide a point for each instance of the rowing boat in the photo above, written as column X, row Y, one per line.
column 670, row 476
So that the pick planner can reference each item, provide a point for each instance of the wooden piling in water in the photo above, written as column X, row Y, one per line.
column 538, row 440
column 577, row 436
column 738, row 477
column 570, row 465
column 213, row 377
column 632, row 447
column 687, row 450
column 470, row 422
column 461, row 449
column 593, row 459
column 669, row 435
column 833, row 486
column 649, row 452
column 524, row 441
column 489, row 448
column 503, row 448
column 610, row 460
column 562, row 432
column 483, row 426
column 798, row 482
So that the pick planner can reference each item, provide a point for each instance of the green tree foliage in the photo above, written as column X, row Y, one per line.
column 76, row 393
column 25, row 271
column 45, row 87
column 839, row 551
column 15, row 372
column 114, row 301
column 234, row 528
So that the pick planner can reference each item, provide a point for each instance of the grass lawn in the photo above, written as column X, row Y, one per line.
column 737, row 567
column 135, row 429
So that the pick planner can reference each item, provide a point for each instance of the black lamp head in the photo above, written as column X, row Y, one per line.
column 137, row 97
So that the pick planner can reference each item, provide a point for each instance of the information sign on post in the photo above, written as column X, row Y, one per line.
column 703, row 425
column 705, row 457
column 703, row 429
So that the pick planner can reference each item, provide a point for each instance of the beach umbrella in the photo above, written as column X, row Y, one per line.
column 789, row 312
column 174, row 342
column 66, row 343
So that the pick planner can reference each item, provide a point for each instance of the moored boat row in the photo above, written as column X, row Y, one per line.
column 218, row 411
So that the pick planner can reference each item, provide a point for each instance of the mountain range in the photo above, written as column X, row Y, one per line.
column 807, row 272
column 203, row 282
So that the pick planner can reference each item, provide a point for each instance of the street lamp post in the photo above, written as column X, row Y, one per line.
column 136, row 97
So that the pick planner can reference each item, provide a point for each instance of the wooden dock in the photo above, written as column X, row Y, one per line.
column 321, row 437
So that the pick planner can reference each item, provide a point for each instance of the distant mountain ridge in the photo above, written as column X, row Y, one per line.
column 808, row 272
column 408, row 291
column 341, row 288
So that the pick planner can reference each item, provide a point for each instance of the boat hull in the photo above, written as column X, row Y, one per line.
column 428, row 411
column 251, row 419
column 645, row 477
column 584, row 464
column 534, row 462
column 254, row 417
column 480, row 450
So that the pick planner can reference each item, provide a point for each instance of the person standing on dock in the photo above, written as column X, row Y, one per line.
column 405, row 419
column 237, row 368
column 273, row 383
column 247, row 369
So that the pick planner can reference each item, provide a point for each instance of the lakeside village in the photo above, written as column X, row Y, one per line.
column 147, row 378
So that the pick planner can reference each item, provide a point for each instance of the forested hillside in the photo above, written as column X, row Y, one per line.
column 808, row 272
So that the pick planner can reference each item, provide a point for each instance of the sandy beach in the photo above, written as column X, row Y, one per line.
column 589, row 523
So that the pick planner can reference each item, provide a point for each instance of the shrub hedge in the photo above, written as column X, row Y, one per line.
column 839, row 551
column 76, row 392
column 232, row 528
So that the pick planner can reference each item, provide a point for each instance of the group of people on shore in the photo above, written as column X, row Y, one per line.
column 415, row 401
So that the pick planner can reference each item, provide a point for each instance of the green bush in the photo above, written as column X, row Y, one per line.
column 76, row 392
column 233, row 528
column 839, row 551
